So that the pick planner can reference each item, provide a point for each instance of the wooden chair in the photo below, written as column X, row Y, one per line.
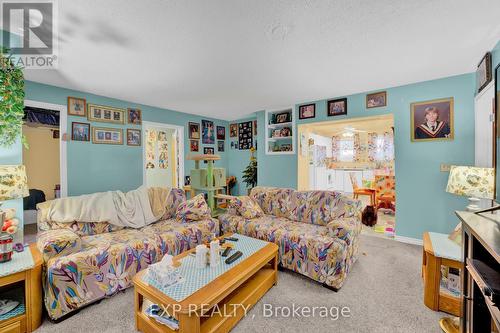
column 357, row 191
column 385, row 188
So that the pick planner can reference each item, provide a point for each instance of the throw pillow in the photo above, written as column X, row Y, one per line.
column 246, row 207
column 194, row 209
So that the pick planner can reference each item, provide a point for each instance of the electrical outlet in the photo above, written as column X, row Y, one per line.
column 445, row 167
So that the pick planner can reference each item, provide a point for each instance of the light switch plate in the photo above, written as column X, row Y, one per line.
column 445, row 167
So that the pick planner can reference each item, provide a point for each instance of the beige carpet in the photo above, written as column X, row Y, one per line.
column 383, row 292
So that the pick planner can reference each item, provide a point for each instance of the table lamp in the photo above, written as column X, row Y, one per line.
column 473, row 182
column 13, row 185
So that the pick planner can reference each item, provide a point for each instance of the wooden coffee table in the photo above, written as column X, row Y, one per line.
column 26, row 282
column 244, row 284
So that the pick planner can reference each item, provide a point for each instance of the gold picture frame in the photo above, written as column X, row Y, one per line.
column 105, row 114
column 134, row 116
column 100, row 135
column 77, row 106
column 376, row 100
column 443, row 111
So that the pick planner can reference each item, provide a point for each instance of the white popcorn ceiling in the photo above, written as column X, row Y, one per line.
column 227, row 59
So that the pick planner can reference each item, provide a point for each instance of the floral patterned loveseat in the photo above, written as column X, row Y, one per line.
column 85, row 262
column 317, row 231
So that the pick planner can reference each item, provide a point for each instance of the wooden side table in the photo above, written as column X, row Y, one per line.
column 29, row 282
column 439, row 250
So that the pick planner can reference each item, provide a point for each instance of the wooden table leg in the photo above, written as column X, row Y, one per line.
column 189, row 323
column 432, row 279
column 275, row 267
column 33, row 294
column 137, row 306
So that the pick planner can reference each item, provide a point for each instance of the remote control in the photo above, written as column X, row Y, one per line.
column 231, row 239
column 233, row 258
column 226, row 251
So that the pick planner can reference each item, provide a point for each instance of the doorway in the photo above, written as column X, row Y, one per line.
column 163, row 155
column 44, row 159
column 355, row 157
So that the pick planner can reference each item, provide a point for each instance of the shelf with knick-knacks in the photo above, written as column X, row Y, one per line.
column 280, row 131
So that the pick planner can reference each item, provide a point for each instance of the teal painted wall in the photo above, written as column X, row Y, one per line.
column 422, row 203
column 238, row 160
column 99, row 167
column 274, row 170
column 495, row 55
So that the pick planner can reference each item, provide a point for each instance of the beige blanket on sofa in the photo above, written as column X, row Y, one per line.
column 131, row 209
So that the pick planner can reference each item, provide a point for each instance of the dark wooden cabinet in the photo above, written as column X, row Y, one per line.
column 481, row 253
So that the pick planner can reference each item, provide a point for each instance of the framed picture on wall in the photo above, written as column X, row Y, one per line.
column 194, row 130
column 307, row 111
column 105, row 114
column 77, row 106
column 134, row 116
column 376, row 100
column 283, row 117
column 194, row 145
column 133, row 137
column 245, row 135
column 336, row 107
column 233, row 130
column 208, row 136
column 220, row 145
column 110, row 136
column 483, row 72
column 221, row 133
column 208, row 150
column 80, row 131
column 432, row 120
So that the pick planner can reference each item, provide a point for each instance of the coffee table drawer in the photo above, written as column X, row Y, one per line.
column 14, row 327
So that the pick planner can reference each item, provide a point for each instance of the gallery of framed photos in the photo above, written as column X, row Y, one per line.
column 163, row 155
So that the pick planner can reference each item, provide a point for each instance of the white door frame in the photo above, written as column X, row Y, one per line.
column 180, row 134
column 63, row 126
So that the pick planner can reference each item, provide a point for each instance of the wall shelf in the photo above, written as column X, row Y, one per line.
column 281, row 125
column 280, row 145
column 280, row 138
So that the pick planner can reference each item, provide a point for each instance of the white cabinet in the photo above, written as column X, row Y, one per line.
column 340, row 179
column 347, row 179
column 318, row 178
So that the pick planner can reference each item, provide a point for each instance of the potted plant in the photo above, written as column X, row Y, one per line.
column 11, row 100
column 250, row 172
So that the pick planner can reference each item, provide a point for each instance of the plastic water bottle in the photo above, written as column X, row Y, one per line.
column 201, row 256
column 214, row 253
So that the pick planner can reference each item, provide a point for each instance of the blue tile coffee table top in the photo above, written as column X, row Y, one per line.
column 196, row 278
column 21, row 261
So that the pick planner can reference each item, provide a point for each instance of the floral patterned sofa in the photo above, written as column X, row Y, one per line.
column 317, row 231
column 85, row 262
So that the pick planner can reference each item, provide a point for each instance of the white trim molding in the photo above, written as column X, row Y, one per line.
column 63, row 127
column 409, row 240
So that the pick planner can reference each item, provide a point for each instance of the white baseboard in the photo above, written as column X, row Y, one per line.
column 409, row 240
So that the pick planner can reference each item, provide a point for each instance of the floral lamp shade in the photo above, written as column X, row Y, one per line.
column 13, row 182
column 471, row 182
